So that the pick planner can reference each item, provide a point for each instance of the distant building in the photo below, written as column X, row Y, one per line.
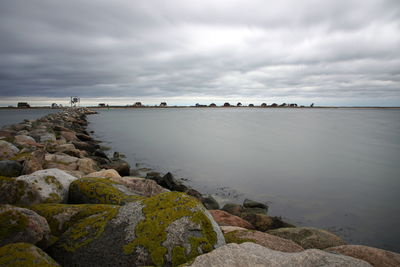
column 274, row 105
column 251, row 105
column 264, row 105
column 54, row 105
column 163, row 104
column 200, row 105
column 102, row 105
column 226, row 104
column 213, row 105
column 138, row 104
column 293, row 105
column 23, row 105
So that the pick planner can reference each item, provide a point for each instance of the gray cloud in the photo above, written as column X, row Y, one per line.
column 333, row 51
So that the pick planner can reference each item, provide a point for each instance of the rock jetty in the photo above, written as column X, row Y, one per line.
column 65, row 202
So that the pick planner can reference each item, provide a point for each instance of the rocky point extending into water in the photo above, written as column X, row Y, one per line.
column 65, row 202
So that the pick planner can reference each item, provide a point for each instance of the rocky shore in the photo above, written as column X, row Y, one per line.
column 65, row 202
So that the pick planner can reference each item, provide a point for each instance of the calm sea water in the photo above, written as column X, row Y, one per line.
column 338, row 169
column 11, row 116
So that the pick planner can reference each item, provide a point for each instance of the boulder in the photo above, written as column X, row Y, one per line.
column 68, row 135
column 24, row 254
column 228, row 229
column 164, row 230
column 374, row 256
column 261, row 222
column 7, row 150
column 263, row 239
column 89, row 147
column 309, row 237
column 110, row 173
column 247, row 203
column 140, row 186
column 34, row 162
column 61, row 161
column 234, row 209
column 251, row 254
column 100, row 191
column 10, row 168
column 225, row 219
column 65, row 147
column 209, row 202
column 44, row 186
column 22, row 225
column 168, row 181
column 47, row 137
column 24, row 140
column 121, row 166
column 87, row 165
column 84, row 137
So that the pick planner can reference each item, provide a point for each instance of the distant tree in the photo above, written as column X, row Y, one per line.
column 293, row 105
column 163, row 104
column 226, row 104
column 251, row 105
column 264, row 105
column 239, row 104
column 102, row 105
column 213, row 105
column 54, row 105
column 138, row 104
column 274, row 105
column 312, row 105
column 283, row 105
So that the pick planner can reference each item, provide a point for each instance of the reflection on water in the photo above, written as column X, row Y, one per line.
column 336, row 169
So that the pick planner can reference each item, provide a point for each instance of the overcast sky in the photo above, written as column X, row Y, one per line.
column 332, row 52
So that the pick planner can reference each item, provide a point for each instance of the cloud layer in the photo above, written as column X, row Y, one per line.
column 335, row 52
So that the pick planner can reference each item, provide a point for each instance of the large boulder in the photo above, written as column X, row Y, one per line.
column 263, row 239
column 34, row 162
column 90, row 190
column 87, row 165
column 251, row 254
column 25, row 140
column 247, row 203
column 260, row 222
column 375, row 256
column 225, row 219
column 23, row 254
column 10, row 168
column 61, row 161
column 110, row 173
column 140, row 186
column 44, row 186
column 7, row 150
column 309, row 237
column 164, row 230
column 22, row 225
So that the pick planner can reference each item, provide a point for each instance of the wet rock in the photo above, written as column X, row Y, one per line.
column 374, row 256
column 254, row 211
column 164, row 230
column 168, row 181
column 251, row 254
column 247, row 203
column 121, row 166
column 22, row 225
column 10, row 168
column 309, row 237
column 100, row 153
column 263, row 239
column 7, row 150
column 84, row 137
column 261, row 222
column 140, row 186
column 225, row 219
column 24, row 254
column 89, row 147
column 100, row 191
column 209, row 202
column 234, row 209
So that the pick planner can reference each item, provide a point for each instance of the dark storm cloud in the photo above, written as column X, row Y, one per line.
column 288, row 49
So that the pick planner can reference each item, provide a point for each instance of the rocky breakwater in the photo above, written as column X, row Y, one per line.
column 65, row 202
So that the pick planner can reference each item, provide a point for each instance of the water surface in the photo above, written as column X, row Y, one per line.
column 11, row 116
column 336, row 169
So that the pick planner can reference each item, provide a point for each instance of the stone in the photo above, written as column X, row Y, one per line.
column 141, row 186
column 234, row 209
column 225, row 219
column 261, row 222
column 61, row 161
column 68, row 135
column 87, row 165
column 167, row 229
column 110, row 173
column 10, row 168
column 100, row 153
column 34, row 162
column 168, row 181
column 250, row 254
column 309, row 237
column 263, row 239
column 228, row 229
column 65, row 147
column 247, row 203
column 24, row 254
column 7, row 150
column 22, row 225
column 84, row 137
column 24, row 140
column 121, row 166
column 209, row 202
column 47, row 137
column 44, row 186
column 89, row 147
column 89, row 190
column 374, row 256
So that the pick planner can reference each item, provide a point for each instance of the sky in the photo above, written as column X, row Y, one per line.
column 331, row 52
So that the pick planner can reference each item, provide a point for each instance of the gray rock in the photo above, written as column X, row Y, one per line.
column 7, row 150
column 247, row 203
column 251, row 254
column 10, row 168
column 23, row 254
column 209, row 202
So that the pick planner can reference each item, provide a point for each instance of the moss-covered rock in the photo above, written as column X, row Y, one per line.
column 22, row 225
column 23, row 254
column 10, row 168
column 16, row 192
column 90, row 190
column 164, row 230
column 7, row 150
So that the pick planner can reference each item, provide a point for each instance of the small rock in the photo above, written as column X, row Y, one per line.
column 261, row 222
column 23, row 254
column 209, row 202
column 84, row 137
column 10, row 168
column 121, row 166
column 247, row 203
column 234, row 209
column 309, row 237
column 376, row 257
column 225, row 219
column 87, row 165
column 22, row 225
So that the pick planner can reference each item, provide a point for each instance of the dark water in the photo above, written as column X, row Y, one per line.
column 337, row 169
column 11, row 116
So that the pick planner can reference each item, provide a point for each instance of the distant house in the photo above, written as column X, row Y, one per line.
column 283, row 105
column 54, row 105
column 226, row 104
column 274, row 105
column 138, row 104
column 200, row 105
column 251, row 105
column 239, row 104
column 102, row 105
column 293, row 105
column 163, row 104
column 212, row 105
column 23, row 105
column 264, row 105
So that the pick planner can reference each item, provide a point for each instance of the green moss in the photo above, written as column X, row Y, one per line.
column 53, row 180
column 233, row 237
column 12, row 222
column 53, row 198
column 160, row 211
column 23, row 254
column 99, row 191
column 15, row 189
column 21, row 156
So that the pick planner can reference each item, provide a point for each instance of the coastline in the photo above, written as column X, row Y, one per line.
column 61, row 141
